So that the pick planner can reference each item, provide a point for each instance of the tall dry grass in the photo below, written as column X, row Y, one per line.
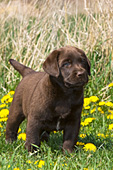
column 30, row 31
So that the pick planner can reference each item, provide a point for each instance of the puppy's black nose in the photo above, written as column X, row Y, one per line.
column 80, row 73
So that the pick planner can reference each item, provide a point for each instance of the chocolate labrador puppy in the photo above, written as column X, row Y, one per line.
column 50, row 100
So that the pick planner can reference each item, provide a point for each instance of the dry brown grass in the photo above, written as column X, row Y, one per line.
column 56, row 24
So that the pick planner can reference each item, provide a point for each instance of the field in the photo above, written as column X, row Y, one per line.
column 28, row 33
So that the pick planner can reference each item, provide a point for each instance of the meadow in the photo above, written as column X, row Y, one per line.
column 28, row 33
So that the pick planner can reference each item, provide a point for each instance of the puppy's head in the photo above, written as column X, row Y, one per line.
column 71, row 64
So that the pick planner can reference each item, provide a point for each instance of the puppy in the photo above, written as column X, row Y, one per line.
column 50, row 100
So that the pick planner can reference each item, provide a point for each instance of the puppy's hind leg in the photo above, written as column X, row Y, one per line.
column 15, row 118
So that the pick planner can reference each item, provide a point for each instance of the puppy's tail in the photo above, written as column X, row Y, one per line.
column 23, row 70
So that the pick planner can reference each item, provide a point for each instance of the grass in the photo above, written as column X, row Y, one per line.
column 29, row 36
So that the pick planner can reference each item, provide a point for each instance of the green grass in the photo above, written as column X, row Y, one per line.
column 29, row 37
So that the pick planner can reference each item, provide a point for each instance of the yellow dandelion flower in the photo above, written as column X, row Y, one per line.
column 111, row 127
column 93, row 110
column 82, row 135
column 101, row 103
column 54, row 131
column 110, row 116
column 1, row 125
column 85, row 168
column 90, row 147
column 111, row 111
column 4, row 113
column 41, row 163
column 109, row 104
column 28, row 161
column 100, row 110
column 87, row 121
column 3, row 105
column 9, row 166
column 101, row 135
column 36, row 162
column 5, row 98
column 80, row 143
column 3, row 119
column 84, row 123
column 22, row 136
column 16, row 169
column 87, row 107
column 110, row 85
column 85, row 114
column 86, row 101
column 94, row 98
column 10, row 100
column 11, row 92
column 19, row 130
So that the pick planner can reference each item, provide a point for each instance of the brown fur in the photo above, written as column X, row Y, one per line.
column 50, row 100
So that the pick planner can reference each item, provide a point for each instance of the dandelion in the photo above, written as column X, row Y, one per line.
column 36, row 162
column 4, row 113
column 11, row 92
column 87, row 107
column 90, row 147
column 3, row 119
column 19, row 130
column 100, row 110
column 3, row 105
column 87, row 121
column 82, row 135
column 101, row 103
column 9, row 166
column 10, row 100
column 22, row 136
column 1, row 125
column 110, row 126
column 80, row 143
column 64, row 164
column 16, row 169
column 93, row 110
column 110, row 85
column 41, row 163
column 111, row 111
column 109, row 104
column 94, row 98
column 101, row 135
column 5, row 98
column 86, row 101
column 85, row 114
column 110, row 116
column 28, row 161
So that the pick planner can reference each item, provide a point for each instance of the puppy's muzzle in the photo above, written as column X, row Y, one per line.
column 79, row 78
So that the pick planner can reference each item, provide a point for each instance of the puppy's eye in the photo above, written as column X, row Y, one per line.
column 66, row 64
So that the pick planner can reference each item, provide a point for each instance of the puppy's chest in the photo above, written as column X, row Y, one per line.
column 62, row 110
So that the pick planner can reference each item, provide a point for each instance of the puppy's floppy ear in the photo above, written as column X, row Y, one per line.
column 50, row 65
column 88, row 62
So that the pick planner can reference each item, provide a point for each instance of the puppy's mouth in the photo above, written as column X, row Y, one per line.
column 74, row 85
column 75, row 82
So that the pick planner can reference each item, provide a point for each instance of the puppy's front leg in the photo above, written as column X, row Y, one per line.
column 71, row 132
column 32, row 134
